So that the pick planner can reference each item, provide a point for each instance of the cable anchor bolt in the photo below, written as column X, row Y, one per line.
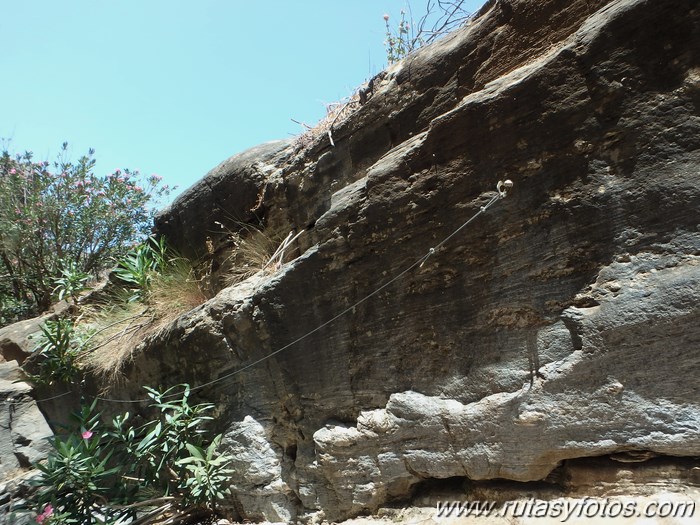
column 503, row 186
column 431, row 251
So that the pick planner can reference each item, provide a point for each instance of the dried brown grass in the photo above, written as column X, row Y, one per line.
column 251, row 253
column 175, row 291
column 336, row 113
column 117, row 330
column 120, row 326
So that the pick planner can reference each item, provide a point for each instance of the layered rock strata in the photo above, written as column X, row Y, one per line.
column 562, row 323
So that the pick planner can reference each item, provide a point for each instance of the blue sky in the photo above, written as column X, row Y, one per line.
column 174, row 87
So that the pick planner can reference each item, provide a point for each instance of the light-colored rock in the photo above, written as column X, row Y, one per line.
column 24, row 436
column 258, row 486
column 24, row 432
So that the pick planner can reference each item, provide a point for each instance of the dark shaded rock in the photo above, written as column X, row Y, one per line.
column 231, row 194
column 362, row 386
column 14, row 492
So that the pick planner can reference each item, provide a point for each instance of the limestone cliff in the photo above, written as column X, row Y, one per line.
column 562, row 323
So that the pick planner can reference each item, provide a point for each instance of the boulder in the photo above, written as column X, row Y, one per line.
column 228, row 196
column 17, row 341
column 25, row 430
column 24, row 435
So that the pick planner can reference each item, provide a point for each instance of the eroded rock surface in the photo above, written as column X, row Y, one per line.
column 24, row 435
column 562, row 323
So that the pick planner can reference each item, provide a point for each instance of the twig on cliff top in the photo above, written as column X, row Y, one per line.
column 451, row 15
column 336, row 111
column 304, row 124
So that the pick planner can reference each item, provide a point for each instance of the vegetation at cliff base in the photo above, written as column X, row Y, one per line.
column 166, row 468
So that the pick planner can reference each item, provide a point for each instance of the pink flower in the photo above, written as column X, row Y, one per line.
column 13, row 171
column 48, row 511
column 87, row 434
column 386, row 17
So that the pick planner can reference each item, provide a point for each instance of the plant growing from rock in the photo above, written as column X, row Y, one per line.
column 153, row 287
column 254, row 250
column 137, row 268
column 398, row 43
column 166, row 468
column 76, row 479
column 440, row 17
column 71, row 282
column 55, row 358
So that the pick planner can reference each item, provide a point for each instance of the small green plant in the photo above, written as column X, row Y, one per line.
column 399, row 44
column 138, row 267
column 56, row 354
column 171, row 453
column 440, row 18
column 208, row 474
column 76, row 479
column 164, row 467
column 71, row 282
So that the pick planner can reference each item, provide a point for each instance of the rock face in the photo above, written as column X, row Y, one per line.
column 24, row 437
column 562, row 323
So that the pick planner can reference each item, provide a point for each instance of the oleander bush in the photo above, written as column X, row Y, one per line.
column 61, row 221
column 167, row 468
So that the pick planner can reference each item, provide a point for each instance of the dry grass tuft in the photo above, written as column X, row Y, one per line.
column 117, row 329
column 251, row 253
column 336, row 113
column 175, row 291
column 254, row 250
